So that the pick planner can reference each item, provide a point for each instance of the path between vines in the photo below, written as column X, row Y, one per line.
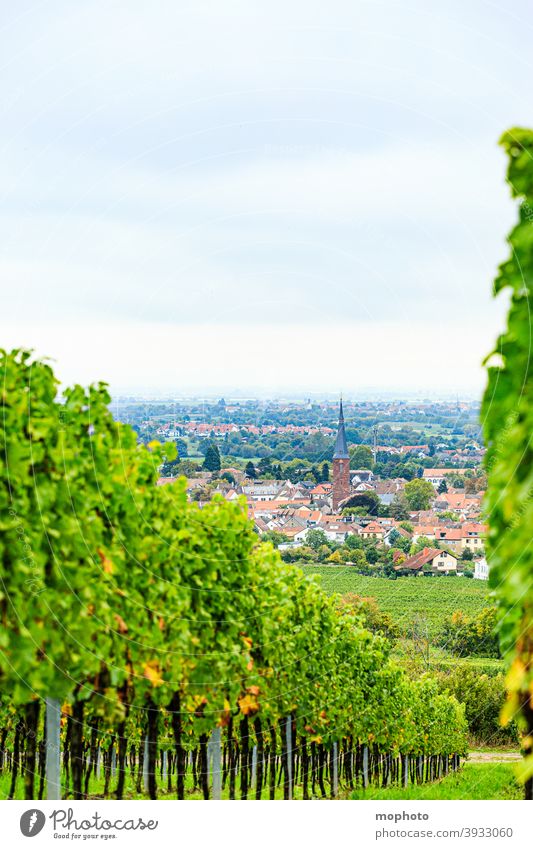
column 493, row 757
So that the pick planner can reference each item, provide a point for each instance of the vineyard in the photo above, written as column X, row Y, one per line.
column 150, row 647
column 149, row 643
column 408, row 600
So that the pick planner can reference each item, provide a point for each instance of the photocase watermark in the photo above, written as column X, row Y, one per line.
column 32, row 822
column 528, row 212
column 34, row 583
column 65, row 825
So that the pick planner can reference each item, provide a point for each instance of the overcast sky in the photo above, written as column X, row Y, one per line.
column 270, row 195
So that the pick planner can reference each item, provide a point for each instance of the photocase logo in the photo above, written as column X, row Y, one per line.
column 32, row 822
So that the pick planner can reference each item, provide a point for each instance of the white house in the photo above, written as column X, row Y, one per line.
column 481, row 569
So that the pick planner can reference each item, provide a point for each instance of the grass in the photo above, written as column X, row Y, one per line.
column 96, row 789
column 473, row 781
column 428, row 601
column 406, row 653
column 423, row 427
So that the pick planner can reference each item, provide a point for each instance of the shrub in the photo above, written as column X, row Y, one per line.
column 483, row 697
column 372, row 616
column 471, row 635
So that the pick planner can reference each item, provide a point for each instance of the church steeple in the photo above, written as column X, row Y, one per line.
column 341, row 465
column 341, row 446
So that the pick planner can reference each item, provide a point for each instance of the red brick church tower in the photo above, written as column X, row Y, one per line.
column 341, row 465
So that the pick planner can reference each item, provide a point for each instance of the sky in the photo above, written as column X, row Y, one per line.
column 250, row 196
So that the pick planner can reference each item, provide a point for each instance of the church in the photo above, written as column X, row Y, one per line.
column 341, row 465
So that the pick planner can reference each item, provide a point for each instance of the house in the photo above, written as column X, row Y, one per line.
column 392, row 534
column 360, row 475
column 458, row 537
column 386, row 490
column 481, row 569
column 436, row 476
column 261, row 491
column 473, row 536
column 321, row 490
column 372, row 530
column 417, row 450
column 429, row 560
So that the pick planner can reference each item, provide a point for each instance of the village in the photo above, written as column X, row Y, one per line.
column 428, row 525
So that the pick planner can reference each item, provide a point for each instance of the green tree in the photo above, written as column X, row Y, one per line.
column 421, row 543
column 249, row 470
column 399, row 508
column 325, row 472
column 361, row 457
column 372, row 616
column 265, row 466
column 443, row 487
column 368, row 501
column 212, row 459
column 316, row 538
column 182, row 448
column 471, row 635
column 419, row 494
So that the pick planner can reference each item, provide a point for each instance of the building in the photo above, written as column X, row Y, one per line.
column 437, row 476
column 372, row 530
column 428, row 560
column 341, row 465
column 481, row 569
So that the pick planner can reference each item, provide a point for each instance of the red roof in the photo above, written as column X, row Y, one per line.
column 417, row 561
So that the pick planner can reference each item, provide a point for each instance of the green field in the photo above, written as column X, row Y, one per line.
column 426, row 601
column 422, row 427
column 473, row 781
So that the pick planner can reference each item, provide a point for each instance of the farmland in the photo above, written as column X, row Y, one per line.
column 408, row 600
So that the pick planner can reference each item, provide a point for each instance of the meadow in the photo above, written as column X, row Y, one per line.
column 473, row 781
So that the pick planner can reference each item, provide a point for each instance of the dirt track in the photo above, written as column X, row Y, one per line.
column 493, row 757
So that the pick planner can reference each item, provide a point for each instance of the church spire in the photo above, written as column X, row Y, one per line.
column 341, row 446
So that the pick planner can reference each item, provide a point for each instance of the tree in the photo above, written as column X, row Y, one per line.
column 421, row 543
column 354, row 542
column 325, row 472
column 419, row 494
column 361, row 457
column 443, row 487
column 367, row 500
column 169, row 469
column 212, row 459
column 265, row 466
column 471, row 635
column 316, row 538
column 335, row 557
column 181, row 445
column 187, row 468
column 404, row 544
column 249, row 470
column 373, row 617
column 399, row 508
column 358, row 558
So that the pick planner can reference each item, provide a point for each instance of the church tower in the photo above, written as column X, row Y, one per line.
column 341, row 465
